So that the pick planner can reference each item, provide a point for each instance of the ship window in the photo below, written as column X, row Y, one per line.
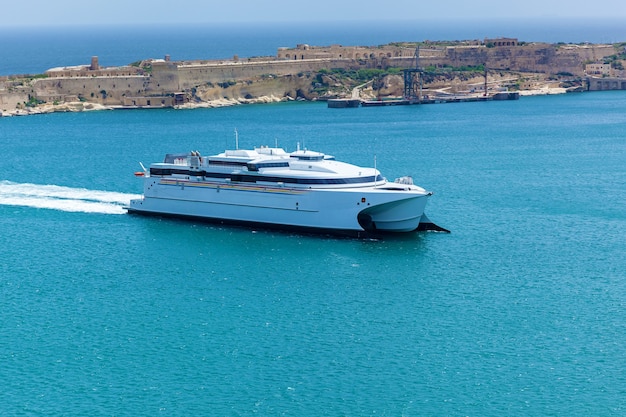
column 309, row 157
column 307, row 181
column 257, row 166
column 226, row 163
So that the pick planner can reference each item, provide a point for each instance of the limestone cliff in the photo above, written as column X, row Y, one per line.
column 309, row 73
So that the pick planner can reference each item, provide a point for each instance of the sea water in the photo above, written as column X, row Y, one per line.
column 518, row 311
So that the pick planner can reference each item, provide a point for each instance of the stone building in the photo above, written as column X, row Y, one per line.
column 599, row 70
column 501, row 42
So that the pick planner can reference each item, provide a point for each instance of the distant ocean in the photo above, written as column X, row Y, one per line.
column 518, row 312
column 34, row 50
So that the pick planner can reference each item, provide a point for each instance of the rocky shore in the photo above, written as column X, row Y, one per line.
column 52, row 108
column 82, row 107
column 459, row 68
column 78, row 106
column 224, row 102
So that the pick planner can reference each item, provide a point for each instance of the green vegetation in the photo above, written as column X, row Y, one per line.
column 33, row 102
column 324, row 79
column 327, row 78
column 227, row 84
column 23, row 80
column 359, row 76
column 616, row 60
column 431, row 69
column 138, row 64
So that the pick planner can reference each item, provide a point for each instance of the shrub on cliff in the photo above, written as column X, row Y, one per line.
column 33, row 102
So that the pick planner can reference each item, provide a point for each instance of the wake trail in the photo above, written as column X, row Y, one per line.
column 68, row 199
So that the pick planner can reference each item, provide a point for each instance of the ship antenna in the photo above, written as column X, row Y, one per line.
column 236, row 139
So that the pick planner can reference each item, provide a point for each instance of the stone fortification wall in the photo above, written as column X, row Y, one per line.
column 464, row 56
column 600, row 84
column 152, row 101
column 93, row 70
column 86, row 71
column 14, row 93
column 174, row 77
column 9, row 101
column 105, row 90
column 586, row 52
column 502, row 53
column 541, row 58
column 164, row 77
column 165, row 83
column 304, row 52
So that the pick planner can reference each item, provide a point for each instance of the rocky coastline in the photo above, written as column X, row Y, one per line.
column 78, row 106
column 319, row 73
column 365, row 94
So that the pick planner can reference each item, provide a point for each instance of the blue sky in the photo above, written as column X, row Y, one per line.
column 76, row 12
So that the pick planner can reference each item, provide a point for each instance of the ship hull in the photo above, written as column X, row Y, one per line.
column 352, row 211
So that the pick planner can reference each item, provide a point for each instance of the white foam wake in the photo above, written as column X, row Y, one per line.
column 63, row 198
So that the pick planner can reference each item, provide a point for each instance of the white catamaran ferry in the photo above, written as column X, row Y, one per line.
column 303, row 190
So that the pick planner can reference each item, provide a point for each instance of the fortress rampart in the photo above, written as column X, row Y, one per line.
column 179, row 77
column 501, row 53
column 306, row 52
column 600, row 84
column 165, row 82
column 102, row 89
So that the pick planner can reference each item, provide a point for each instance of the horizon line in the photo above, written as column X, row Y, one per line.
column 426, row 22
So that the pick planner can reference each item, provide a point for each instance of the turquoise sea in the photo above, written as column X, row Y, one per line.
column 520, row 311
